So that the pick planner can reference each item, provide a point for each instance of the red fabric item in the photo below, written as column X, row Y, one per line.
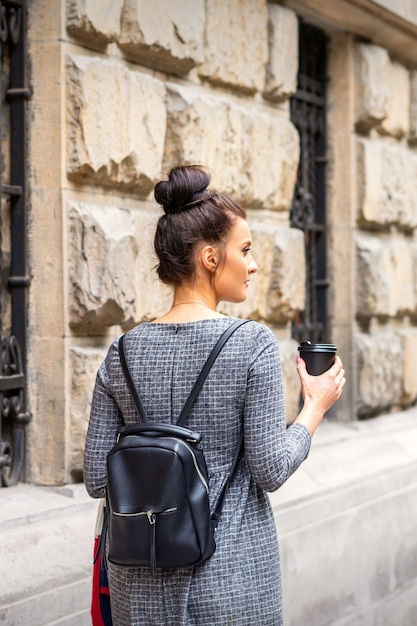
column 96, row 616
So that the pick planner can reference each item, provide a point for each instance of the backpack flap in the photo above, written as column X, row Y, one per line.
column 163, row 518
column 153, row 428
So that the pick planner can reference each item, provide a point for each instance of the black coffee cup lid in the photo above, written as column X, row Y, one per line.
column 307, row 346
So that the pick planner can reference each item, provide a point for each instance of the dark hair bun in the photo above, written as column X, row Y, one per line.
column 185, row 187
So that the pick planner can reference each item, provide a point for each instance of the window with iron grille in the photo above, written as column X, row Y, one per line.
column 13, row 279
column 308, row 211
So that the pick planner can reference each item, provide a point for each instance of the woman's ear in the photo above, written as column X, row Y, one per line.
column 209, row 258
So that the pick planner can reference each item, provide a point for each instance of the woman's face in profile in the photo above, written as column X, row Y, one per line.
column 232, row 277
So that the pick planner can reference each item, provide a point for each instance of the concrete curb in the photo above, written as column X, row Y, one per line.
column 46, row 552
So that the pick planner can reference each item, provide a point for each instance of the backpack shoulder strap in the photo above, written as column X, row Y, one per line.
column 198, row 384
column 190, row 403
column 215, row 517
column 139, row 406
column 206, row 369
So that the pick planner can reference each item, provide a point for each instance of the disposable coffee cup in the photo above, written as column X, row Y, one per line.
column 319, row 357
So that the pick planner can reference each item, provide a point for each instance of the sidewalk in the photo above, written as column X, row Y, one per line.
column 347, row 526
column 46, row 544
column 346, row 522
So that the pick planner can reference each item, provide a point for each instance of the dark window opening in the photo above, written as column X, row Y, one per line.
column 13, row 279
column 308, row 211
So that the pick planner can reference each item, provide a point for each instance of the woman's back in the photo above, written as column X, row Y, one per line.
column 243, row 390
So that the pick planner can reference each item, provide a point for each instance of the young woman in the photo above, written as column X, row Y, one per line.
column 203, row 244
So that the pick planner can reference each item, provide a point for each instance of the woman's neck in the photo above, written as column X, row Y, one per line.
column 190, row 306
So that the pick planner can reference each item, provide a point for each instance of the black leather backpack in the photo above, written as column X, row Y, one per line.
column 157, row 490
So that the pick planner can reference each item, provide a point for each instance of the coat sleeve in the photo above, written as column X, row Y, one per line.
column 104, row 423
column 272, row 451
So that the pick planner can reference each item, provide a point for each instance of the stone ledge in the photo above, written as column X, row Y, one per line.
column 56, row 605
column 352, row 456
column 346, row 523
column 46, row 551
column 25, row 504
column 364, row 18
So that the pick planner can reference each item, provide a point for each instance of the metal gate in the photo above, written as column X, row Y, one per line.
column 13, row 279
column 308, row 211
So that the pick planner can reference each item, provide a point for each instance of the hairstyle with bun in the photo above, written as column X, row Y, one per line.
column 193, row 215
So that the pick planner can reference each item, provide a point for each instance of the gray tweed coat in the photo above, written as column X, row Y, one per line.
column 240, row 585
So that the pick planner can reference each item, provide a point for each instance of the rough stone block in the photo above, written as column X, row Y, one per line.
column 292, row 385
column 276, row 292
column 270, row 157
column 153, row 298
column 94, row 23
column 397, row 121
column 372, row 83
column 408, row 337
column 102, row 257
column 251, row 152
column 281, row 73
column 47, row 434
column 414, row 257
column 386, row 195
column 84, row 365
column 236, row 48
column 379, row 370
column 116, row 124
column 169, row 36
column 411, row 175
column 413, row 108
column 385, row 272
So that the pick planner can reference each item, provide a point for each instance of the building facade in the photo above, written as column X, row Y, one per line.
column 304, row 110
column 122, row 91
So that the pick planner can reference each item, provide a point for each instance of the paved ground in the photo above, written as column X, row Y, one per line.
column 346, row 522
column 46, row 544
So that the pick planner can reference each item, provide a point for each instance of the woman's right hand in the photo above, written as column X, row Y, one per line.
column 319, row 392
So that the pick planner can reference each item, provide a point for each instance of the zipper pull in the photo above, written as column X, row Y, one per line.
column 151, row 517
column 152, row 551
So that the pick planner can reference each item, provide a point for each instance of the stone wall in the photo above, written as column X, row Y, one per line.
column 121, row 93
column 386, row 218
column 138, row 95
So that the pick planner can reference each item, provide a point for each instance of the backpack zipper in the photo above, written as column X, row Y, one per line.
column 150, row 514
column 203, row 480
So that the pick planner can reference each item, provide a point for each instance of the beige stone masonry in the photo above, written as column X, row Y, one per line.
column 276, row 292
column 152, row 298
column 84, row 363
column 281, row 74
column 102, row 257
column 413, row 108
column 116, row 124
column 397, row 121
column 372, row 67
column 380, row 361
column 236, row 50
column 292, row 386
column 94, row 23
column 341, row 206
column 382, row 92
column 385, row 272
column 169, row 36
column 251, row 151
column 414, row 256
column 386, row 184
column 366, row 19
column 408, row 338
column 47, row 433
